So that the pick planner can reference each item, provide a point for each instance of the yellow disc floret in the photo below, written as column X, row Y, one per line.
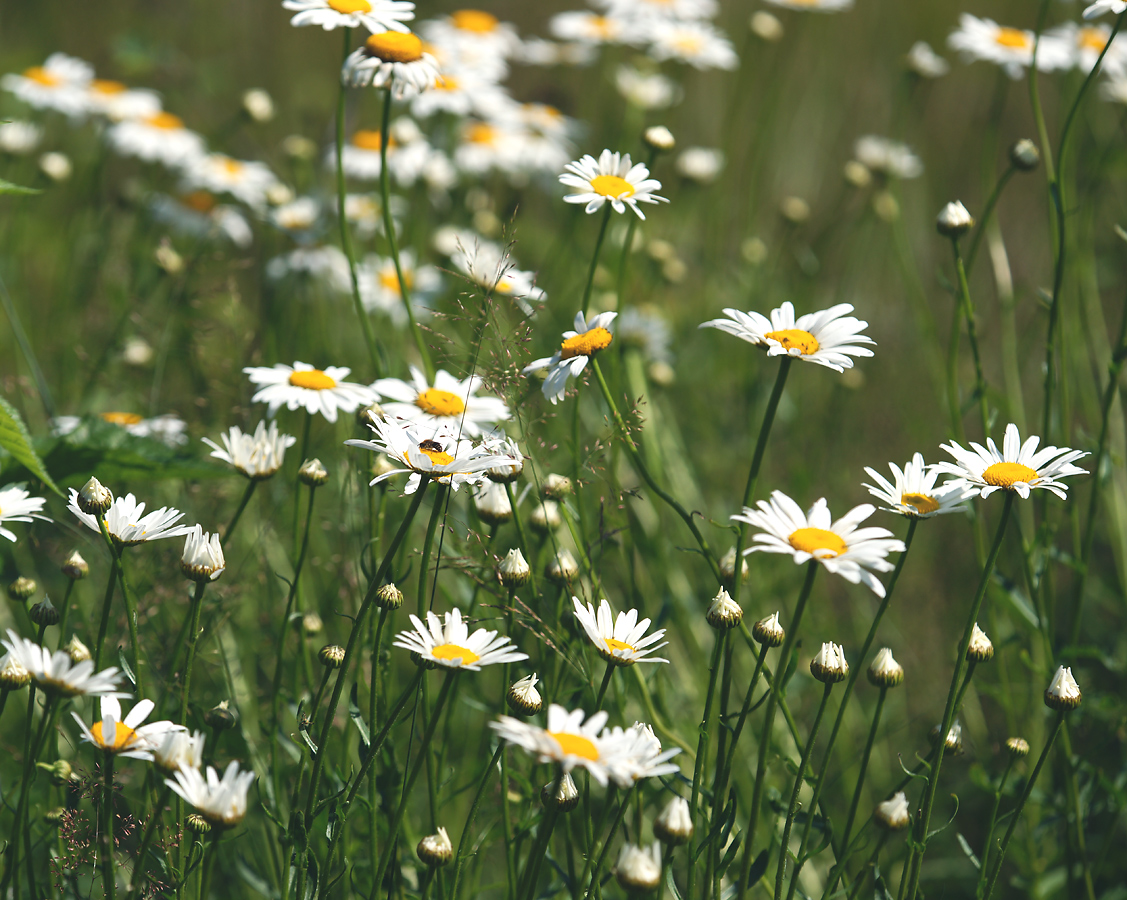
column 394, row 46
column 474, row 20
column 575, row 745
column 1014, row 38
column 346, row 7
column 818, row 542
column 1007, row 474
column 795, row 339
column 453, row 651
column 433, row 451
column 313, row 380
column 41, row 76
column 122, row 738
column 440, row 403
column 586, row 344
column 612, row 186
column 165, row 121
column 921, row 503
column 370, row 140
column 121, row 418
column 107, row 88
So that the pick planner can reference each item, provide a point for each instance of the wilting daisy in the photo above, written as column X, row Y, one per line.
column 126, row 736
column 59, row 84
column 249, row 182
column 814, row 5
column 577, row 348
column 1011, row 48
column 840, row 546
column 450, row 644
column 423, row 453
column 567, row 740
column 57, row 674
column 640, row 755
column 160, row 137
column 391, row 58
column 828, row 338
column 610, row 179
column 321, row 391
column 17, row 505
column 913, row 493
column 622, row 641
column 375, row 15
column 888, row 157
column 1019, row 467
column 449, row 404
column 701, row 45
column 128, row 524
column 257, row 455
column 222, row 802
column 380, row 290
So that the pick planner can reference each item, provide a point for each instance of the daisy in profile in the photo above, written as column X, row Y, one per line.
column 621, row 641
column 814, row 5
column 610, row 179
column 126, row 736
column 248, row 182
column 17, row 505
column 490, row 266
column 375, row 15
column 1019, row 467
column 829, row 338
column 321, row 391
column 380, row 290
column 640, row 755
column 223, row 802
column 425, row 454
column 575, row 351
column 1011, row 48
column 129, row 525
column 925, row 62
column 258, row 455
column 699, row 44
column 56, row 674
column 160, row 137
column 887, row 157
column 913, row 493
column 447, row 405
column 842, row 547
column 450, row 644
column 59, row 84
column 391, row 58
column 568, row 740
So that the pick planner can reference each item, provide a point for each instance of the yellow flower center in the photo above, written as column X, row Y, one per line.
column 1092, row 39
column 433, row 451
column 1014, row 38
column 817, row 542
column 1006, row 474
column 689, row 44
column 121, row 418
column 612, row 186
column 619, row 645
column 370, row 140
column 446, row 83
column 312, row 380
column 166, row 121
column 200, row 201
column 41, row 76
column 795, row 339
column 440, row 403
column 453, row 651
column 474, row 20
column 350, row 6
column 585, row 344
column 921, row 503
column 393, row 46
column 601, row 26
column 390, row 281
column 102, row 86
column 122, row 738
column 575, row 745
column 480, row 133
column 231, row 166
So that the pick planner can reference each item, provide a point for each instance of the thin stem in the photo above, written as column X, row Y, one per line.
column 459, row 859
column 525, row 546
column 702, row 743
column 103, row 623
column 193, row 637
column 607, row 208
column 744, row 710
column 860, row 882
column 603, row 687
column 131, row 622
column 627, row 246
column 137, row 879
column 987, row 212
column 972, row 335
column 622, row 810
column 209, row 863
column 64, row 615
column 424, row 563
column 507, row 829
column 988, row 843
column 109, row 873
column 230, row 529
column 378, row 740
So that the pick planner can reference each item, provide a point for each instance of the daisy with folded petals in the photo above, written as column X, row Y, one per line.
column 577, row 348
column 1115, row 7
column 567, row 740
column 622, row 641
column 17, row 505
column 223, row 802
column 375, row 15
column 610, row 179
column 128, row 523
column 640, row 755
column 699, row 44
column 828, row 338
column 160, row 137
column 257, row 455
column 178, row 749
column 1011, row 48
column 321, row 391
column 126, row 736
column 913, row 493
column 449, row 404
column 842, row 547
column 450, row 644
column 393, row 59
column 56, row 674
column 1019, row 467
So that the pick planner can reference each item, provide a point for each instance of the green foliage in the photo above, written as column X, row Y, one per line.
column 14, row 438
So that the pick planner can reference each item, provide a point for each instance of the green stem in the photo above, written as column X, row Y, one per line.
column 622, row 810
column 987, row 212
column 109, row 868
column 607, row 209
column 230, row 529
column 459, row 859
column 860, row 882
column 424, row 563
column 744, row 710
column 507, row 830
column 137, row 878
column 988, row 843
column 64, row 615
column 378, row 741
column 627, row 246
column 603, row 687
column 209, row 861
column 193, row 637
column 972, row 336
column 104, row 622
column 131, row 622
column 702, row 744
column 525, row 546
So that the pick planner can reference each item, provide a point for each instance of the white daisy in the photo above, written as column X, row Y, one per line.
column 588, row 27
column 665, row 9
column 56, row 674
column 701, row 45
column 167, row 429
column 814, row 5
column 160, row 138
column 1011, row 48
column 646, row 90
column 913, row 493
column 19, row 138
column 828, row 338
column 640, row 755
column 248, row 182
column 474, row 39
column 1088, row 42
column 128, row 524
column 17, row 505
column 408, row 154
column 118, row 102
column 450, row 644
column 380, row 290
column 59, row 84
column 325, row 264
column 1115, row 7
column 925, row 62
column 449, row 404
column 543, row 137
column 392, row 58
column 571, row 359
column 202, row 559
column 642, row 327
column 567, row 740
column 199, row 215
column 622, row 641
column 297, row 217
column 610, row 179
column 888, row 157
column 177, row 750
column 1019, row 467
column 840, row 546
column 490, row 266
column 461, row 93
column 321, row 391
column 375, row 15
column 257, row 455
column 126, row 736
column 222, row 802
column 484, row 146
column 700, row 164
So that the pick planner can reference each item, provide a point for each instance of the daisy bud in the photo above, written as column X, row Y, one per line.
column 639, row 870
column 1063, row 693
column 563, row 568
column 659, row 138
column 794, row 209
column 279, row 194
column 674, row 825
column 165, row 256
column 75, row 568
column 22, row 589
column 1017, row 747
column 979, row 649
column 389, row 597
column 220, row 717
column 546, row 517
column 312, row 473
column 514, row 569
column 299, row 147
column 197, row 823
column 829, row 666
column 435, row 849
column 202, row 559
column 94, row 498
column 507, row 473
column 724, row 612
column 728, row 567
column 258, row 105
column 1024, row 155
column 857, row 174
column 311, row 624
column 954, row 742
column 954, row 220
column 44, row 613
column 56, row 166
column 76, row 650
column 766, row 27
column 13, row 676
column 137, row 352
column 492, row 504
column 523, row 698
column 368, row 416
column 768, row 631
column 556, row 487
column 567, row 795
column 331, row 656
column 893, row 813
column 886, row 206
column 885, row 672
column 54, row 816
column 60, row 772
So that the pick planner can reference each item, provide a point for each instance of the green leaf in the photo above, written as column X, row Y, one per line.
column 757, row 869
column 15, row 439
column 253, row 880
column 126, row 668
column 358, row 719
column 671, row 884
column 880, row 889
column 968, row 851
column 6, row 187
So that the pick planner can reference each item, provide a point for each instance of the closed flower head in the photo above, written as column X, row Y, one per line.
column 1063, row 692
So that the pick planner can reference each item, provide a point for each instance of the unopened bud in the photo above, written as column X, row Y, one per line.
column 768, row 631
column 44, row 613
column 369, row 415
column 220, row 717
column 75, row 568
column 954, row 742
column 659, row 138
column 563, row 569
column 638, row 869
column 857, row 174
column 954, row 220
column 893, row 813
column 979, row 649
column 728, row 567
column 331, row 656
column 492, row 503
column 60, row 772
column 197, row 823
column 54, row 816
column 1024, row 155
column 76, row 650
column 22, row 589
column 523, row 698
column 514, row 569
column 674, row 825
column 310, row 624
column 724, row 612
column 389, row 597
column 766, row 27
column 885, row 672
column 556, row 487
column 567, row 795
column 1017, row 747
column 94, row 498
column 13, row 675
column 829, row 666
column 546, row 517
column 312, row 473
column 1063, row 693
column 794, row 209
column 258, row 105
column 435, row 849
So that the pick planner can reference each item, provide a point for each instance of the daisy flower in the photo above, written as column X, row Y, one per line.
column 128, row 524
column 407, row 154
column 888, row 157
column 1115, row 7
column 119, row 102
column 490, row 266
column 321, row 391
column 701, row 45
column 296, row 217
column 437, row 456
column 126, row 736
column 375, row 15
column 175, row 750
column 450, row 644
column 814, row 5
column 59, row 84
column 622, row 641
column 19, row 138
column 483, row 146
column 222, row 802
column 248, row 182
column 56, row 674
column 168, row 429
column 325, row 264
column 460, row 93
column 17, row 505
column 665, row 9
column 610, row 179
column 474, row 37
column 571, row 359
column 391, row 58
column 640, row 755
column 199, row 215
column 828, row 338
column 380, row 290
column 567, row 740
column 646, row 90
column 925, row 62
column 840, row 546
column 1019, row 467
column 449, row 404
column 1088, row 42
column 913, row 493
column 588, row 27
column 160, row 137
column 1011, row 48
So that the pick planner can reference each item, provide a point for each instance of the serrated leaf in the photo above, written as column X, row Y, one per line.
column 358, row 719
column 15, row 439
column 125, row 667
column 6, row 187
column 967, row 850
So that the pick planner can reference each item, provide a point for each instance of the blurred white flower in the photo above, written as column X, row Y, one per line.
column 700, row 164
column 56, row 166
column 222, row 802
column 249, row 182
column 59, row 84
column 380, row 290
column 646, row 90
column 925, row 62
column 160, row 137
column 19, row 138
column 888, row 157
column 1011, row 48
column 699, row 44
